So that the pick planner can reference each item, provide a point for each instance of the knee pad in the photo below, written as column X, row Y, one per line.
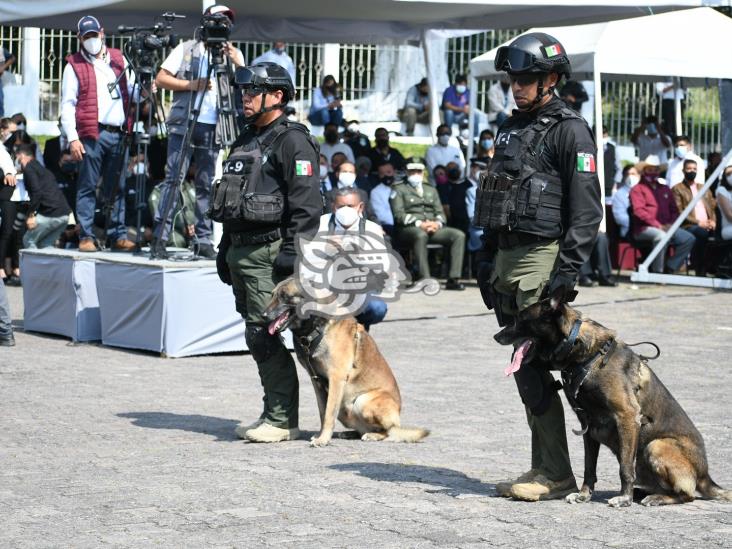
column 260, row 343
column 535, row 390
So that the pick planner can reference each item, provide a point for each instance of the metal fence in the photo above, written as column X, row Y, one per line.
column 624, row 103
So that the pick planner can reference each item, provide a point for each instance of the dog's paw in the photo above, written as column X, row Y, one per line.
column 620, row 501
column 652, row 500
column 578, row 497
column 319, row 442
column 373, row 437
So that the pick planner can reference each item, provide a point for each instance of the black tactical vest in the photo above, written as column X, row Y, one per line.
column 239, row 195
column 517, row 193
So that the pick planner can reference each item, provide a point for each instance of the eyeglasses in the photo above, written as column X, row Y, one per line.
column 253, row 91
column 524, row 79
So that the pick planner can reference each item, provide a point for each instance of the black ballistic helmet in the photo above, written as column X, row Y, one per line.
column 534, row 52
column 264, row 77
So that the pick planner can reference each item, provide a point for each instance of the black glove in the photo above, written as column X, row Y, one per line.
column 222, row 267
column 561, row 286
column 284, row 263
column 483, row 276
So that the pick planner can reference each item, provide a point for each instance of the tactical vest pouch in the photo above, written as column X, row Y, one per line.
column 540, row 204
column 495, row 202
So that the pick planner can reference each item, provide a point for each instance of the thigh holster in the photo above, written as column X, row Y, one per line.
column 260, row 343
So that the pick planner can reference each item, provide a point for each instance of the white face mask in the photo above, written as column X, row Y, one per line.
column 346, row 216
column 729, row 179
column 443, row 139
column 347, row 179
column 633, row 180
column 681, row 151
column 139, row 168
column 323, row 171
column 93, row 45
column 353, row 128
column 414, row 179
column 461, row 88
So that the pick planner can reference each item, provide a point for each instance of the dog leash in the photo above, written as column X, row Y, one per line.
column 643, row 357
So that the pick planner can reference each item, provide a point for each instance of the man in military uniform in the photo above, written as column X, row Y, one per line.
column 539, row 203
column 269, row 192
column 419, row 220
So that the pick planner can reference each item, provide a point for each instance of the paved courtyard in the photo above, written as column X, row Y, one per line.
column 108, row 447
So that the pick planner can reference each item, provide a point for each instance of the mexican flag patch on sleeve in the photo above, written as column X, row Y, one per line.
column 586, row 162
column 303, row 167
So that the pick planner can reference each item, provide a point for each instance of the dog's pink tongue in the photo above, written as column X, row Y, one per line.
column 272, row 328
column 518, row 358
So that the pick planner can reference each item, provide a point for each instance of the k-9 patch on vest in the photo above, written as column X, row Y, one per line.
column 303, row 167
column 586, row 162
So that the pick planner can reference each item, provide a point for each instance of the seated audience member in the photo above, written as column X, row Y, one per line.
column 456, row 102
column 333, row 145
column 454, row 178
column 357, row 141
column 347, row 217
column 621, row 199
column 683, row 150
column 702, row 220
column 278, row 55
column 325, row 105
column 486, row 145
column 323, row 174
column 500, row 101
column 363, row 174
column 439, row 176
column 650, row 139
column 48, row 211
column 383, row 152
column 346, row 177
column 336, row 160
column 477, row 166
column 724, row 200
column 598, row 266
column 442, row 153
column 416, row 106
column 654, row 211
column 419, row 220
column 379, row 198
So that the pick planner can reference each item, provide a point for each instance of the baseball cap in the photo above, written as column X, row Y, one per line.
column 88, row 24
column 220, row 8
column 415, row 166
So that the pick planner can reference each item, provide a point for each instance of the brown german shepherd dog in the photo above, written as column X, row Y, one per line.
column 621, row 404
column 351, row 378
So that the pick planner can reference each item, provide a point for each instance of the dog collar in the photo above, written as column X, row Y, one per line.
column 565, row 346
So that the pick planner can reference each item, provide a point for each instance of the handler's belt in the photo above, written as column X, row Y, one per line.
column 249, row 238
column 508, row 240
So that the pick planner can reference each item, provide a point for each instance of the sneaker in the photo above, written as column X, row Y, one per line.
column 123, row 245
column 269, row 433
column 7, row 340
column 608, row 280
column 206, row 251
column 453, row 284
column 241, row 430
column 541, row 488
column 13, row 280
column 586, row 282
column 504, row 487
column 87, row 245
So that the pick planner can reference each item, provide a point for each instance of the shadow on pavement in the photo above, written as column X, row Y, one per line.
column 221, row 428
column 450, row 482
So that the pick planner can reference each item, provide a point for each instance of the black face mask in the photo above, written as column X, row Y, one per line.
column 381, row 143
column 453, row 173
column 690, row 176
column 331, row 137
column 387, row 180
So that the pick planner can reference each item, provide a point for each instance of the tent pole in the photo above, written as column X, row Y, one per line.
column 471, row 121
column 643, row 272
column 430, row 63
column 600, row 164
column 677, row 105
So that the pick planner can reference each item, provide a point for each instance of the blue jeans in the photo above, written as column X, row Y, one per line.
column 2, row 99
column 452, row 117
column 326, row 116
column 46, row 233
column 6, row 326
column 205, row 151
column 107, row 158
column 373, row 313
column 683, row 242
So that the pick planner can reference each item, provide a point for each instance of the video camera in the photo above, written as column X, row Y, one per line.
column 142, row 49
column 215, row 29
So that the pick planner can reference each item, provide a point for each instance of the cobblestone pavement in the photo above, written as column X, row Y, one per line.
column 107, row 447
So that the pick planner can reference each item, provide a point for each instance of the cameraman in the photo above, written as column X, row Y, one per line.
column 184, row 72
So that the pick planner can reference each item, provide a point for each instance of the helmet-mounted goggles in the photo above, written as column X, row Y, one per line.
column 515, row 60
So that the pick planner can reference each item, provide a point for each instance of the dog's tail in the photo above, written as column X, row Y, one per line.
column 406, row 434
column 710, row 489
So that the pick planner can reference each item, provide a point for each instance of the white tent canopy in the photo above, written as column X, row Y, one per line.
column 647, row 48
column 343, row 21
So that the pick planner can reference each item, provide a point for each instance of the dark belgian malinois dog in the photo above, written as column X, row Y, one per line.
column 621, row 404
column 352, row 380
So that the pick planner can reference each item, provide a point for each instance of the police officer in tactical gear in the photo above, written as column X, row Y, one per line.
column 539, row 205
column 269, row 192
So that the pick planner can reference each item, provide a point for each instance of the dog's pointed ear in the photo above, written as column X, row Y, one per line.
column 556, row 300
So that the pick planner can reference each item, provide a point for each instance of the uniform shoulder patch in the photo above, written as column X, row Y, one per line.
column 392, row 194
column 586, row 162
column 303, row 167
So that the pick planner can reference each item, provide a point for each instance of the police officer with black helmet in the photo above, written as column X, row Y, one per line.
column 269, row 193
column 539, row 203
